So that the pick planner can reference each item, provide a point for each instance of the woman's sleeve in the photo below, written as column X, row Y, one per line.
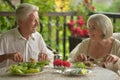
column 117, row 64
column 116, row 51
column 80, row 48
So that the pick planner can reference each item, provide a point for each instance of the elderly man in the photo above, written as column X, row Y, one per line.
column 23, row 42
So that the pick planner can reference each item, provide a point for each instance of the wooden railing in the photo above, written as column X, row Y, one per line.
column 59, row 16
column 63, row 26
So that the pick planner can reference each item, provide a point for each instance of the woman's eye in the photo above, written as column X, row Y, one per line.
column 92, row 28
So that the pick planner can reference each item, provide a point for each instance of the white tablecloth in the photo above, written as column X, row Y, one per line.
column 97, row 73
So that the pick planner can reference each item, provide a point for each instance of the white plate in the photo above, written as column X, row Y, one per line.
column 27, row 74
column 76, row 71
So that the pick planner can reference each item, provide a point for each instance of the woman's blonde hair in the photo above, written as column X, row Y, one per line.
column 103, row 22
column 24, row 10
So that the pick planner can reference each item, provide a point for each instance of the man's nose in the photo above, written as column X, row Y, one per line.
column 36, row 23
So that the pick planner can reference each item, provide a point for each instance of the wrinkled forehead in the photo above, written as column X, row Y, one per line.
column 33, row 15
column 93, row 22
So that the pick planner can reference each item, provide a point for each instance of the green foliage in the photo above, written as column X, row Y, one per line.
column 83, row 11
column 99, row 7
column 6, row 23
column 115, row 7
column 44, row 5
column 4, row 6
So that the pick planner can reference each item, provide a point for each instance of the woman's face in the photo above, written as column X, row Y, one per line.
column 94, row 31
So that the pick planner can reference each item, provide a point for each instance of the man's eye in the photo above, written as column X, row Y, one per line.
column 93, row 27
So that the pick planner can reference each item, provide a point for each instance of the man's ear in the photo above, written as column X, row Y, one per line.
column 21, row 22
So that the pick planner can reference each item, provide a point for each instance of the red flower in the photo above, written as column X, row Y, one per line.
column 71, row 24
column 81, row 33
column 80, row 17
column 66, row 64
column 80, row 22
column 60, row 62
column 75, row 32
column 78, row 31
column 85, row 31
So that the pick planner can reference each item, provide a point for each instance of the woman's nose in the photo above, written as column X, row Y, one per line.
column 89, row 30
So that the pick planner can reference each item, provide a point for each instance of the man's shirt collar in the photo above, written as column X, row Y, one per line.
column 19, row 36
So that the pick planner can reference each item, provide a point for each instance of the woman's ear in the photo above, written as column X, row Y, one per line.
column 103, row 36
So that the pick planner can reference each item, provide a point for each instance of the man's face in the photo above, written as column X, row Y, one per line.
column 30, row 24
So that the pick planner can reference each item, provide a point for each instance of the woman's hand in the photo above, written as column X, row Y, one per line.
column 111, row 58
column 81, row 57
column 17, row 57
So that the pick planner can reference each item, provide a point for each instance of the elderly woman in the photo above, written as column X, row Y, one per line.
column 101, row 47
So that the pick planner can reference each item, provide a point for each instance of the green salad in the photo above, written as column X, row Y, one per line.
column 27, row 67
column 84, row 65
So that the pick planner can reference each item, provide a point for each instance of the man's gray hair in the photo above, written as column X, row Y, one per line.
column 24, row 10
column 104, row 23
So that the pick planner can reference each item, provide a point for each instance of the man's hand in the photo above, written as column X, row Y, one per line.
column 17, row 57
column 42, row 57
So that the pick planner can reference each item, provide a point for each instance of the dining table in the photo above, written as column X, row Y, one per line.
column 49, row 73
